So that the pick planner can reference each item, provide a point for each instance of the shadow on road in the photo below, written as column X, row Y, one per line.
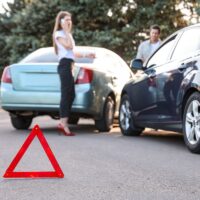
column 77, row 129
column 149, row 136
column 170, row 139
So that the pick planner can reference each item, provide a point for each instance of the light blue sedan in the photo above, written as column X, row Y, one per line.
column 31, row 87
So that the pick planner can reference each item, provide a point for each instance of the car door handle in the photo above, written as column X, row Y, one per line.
column 152, row 75
column 182, row 67
column 114, row 78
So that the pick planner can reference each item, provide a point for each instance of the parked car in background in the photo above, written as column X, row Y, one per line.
column 166, row 94
column 31, row 87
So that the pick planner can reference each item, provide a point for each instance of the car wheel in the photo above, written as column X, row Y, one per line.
column 21, row 122
column 73, row 120
column 106, row 121
column 125, row 119
column 191, row 123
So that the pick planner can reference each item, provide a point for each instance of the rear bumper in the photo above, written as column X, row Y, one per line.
column 12, row 100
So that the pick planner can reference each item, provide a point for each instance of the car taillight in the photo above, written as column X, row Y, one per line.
column 84, row 76
column 6, row 76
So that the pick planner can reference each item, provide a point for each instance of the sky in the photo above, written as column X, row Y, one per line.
column 3, row 2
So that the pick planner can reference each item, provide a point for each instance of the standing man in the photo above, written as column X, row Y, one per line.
column 147, row 47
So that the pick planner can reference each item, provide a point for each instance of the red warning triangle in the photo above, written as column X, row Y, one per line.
column 41, row 174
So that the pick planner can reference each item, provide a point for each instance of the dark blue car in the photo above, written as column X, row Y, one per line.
column 166, row 93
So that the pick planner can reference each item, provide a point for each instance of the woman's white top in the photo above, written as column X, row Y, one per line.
column 62, row 51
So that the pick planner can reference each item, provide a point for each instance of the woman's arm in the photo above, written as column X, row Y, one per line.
column 66, row 42
column 67, row 26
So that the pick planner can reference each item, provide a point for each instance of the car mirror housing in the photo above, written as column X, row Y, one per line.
column 137, row 64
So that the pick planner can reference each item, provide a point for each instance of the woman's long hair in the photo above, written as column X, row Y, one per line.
column 57, row 26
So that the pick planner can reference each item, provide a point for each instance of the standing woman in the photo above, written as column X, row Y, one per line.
column 64, row 44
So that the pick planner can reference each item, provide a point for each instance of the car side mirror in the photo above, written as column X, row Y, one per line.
column 137, row 64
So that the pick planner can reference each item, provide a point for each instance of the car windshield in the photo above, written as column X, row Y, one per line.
column 47, row 55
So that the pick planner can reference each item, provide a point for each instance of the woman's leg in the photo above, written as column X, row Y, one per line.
column 67, row 92
column 64, row 123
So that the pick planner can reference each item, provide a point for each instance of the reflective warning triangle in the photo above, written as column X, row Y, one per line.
column 38, row 174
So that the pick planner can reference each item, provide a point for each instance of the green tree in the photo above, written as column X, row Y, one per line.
column 119, row 25
column 197, row 8
column 6, row 25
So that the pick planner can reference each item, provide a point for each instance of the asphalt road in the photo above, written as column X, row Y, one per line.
column 106, row 166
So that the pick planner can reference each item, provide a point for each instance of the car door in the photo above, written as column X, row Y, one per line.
column 170, row 75
column 142, row 99
column 146, row 88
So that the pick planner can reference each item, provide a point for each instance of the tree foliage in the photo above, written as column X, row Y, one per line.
column 119, row 25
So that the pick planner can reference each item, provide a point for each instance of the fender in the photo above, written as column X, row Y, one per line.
column 190, row 84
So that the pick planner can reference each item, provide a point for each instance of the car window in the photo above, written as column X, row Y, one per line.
column 47, row 55
column 162, row 55
column 188, row 44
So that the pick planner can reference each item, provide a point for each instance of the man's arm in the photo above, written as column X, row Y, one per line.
column 140, row 52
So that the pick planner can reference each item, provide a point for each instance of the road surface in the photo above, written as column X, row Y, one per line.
column 100, row 166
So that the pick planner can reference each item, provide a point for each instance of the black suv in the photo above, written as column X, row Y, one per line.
column 166, row 93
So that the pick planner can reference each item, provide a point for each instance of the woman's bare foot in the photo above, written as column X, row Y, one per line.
column 65, row 130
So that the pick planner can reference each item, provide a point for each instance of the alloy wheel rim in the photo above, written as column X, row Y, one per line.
column 192, row 122
column 125, row 115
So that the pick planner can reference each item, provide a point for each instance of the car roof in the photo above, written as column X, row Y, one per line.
column 79, row 48
column 198, row 24
column 81, row 52
column 181, row 30
column 83, row 49
column 189, row 27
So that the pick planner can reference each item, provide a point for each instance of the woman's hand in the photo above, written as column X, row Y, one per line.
column 67, row 25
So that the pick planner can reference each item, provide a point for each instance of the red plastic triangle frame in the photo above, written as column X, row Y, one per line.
column 35, row 174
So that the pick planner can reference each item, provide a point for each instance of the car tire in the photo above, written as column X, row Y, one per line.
column 191, row 123
column 126, row 120
column 73, row 120
column 106, row 122
column 21, row 123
